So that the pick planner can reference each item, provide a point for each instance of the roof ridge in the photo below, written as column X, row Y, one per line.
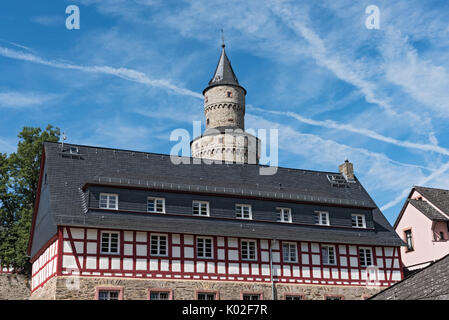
column 168, row 155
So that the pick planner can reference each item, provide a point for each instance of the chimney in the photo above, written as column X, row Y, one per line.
column 347, row 170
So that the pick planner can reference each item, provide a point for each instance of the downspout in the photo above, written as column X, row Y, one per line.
column 273, row 290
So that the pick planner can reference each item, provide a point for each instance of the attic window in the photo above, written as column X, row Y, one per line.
column 337, row 180
column 74, row 150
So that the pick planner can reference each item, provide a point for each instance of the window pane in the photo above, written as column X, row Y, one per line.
column 151, row 205
column 112, row 202
column 113, row 295
column 103, row 295
column 159, row 205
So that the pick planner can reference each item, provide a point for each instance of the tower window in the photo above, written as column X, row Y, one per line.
column 207, row 121
column 229, row 93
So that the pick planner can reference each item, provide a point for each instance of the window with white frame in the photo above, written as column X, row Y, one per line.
column 158, row 245
column 200, row 208
column 243, row 211
column 328, row 255
column 108, row 201
column 284, row 214
column 156, row 205
column 358, row 221
column 322, row 218
column 249, row 296
column 110, row 242
column 289, row 252
column 248, row 249
column 293, row 297
column 204, row 248
column 366, row 257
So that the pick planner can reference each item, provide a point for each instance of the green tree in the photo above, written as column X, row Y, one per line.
column 19, row 177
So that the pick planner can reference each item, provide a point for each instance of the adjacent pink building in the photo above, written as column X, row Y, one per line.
column 423, row 224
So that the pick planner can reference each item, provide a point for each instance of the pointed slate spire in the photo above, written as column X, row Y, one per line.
column 224, row 73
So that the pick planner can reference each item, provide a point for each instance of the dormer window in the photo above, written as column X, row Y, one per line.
column 322, row 218
column 200, row 208
column 243, row 211
column 74, row 150
column 284, row 214
column 358, row 221
column 156, row 205
column 109, row 201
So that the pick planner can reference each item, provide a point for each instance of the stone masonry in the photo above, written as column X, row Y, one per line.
column 14, row 287
column 66, row 288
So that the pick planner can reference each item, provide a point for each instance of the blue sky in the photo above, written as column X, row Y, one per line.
column 135, row 71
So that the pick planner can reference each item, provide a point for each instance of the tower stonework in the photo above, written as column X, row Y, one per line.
column 224, row 109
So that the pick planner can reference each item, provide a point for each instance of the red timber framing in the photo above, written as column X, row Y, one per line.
column 80, row 255
column 45, row 263
column 6, row 270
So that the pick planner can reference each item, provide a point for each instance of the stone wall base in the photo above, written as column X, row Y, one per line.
column 85, row 288
column 14, row 287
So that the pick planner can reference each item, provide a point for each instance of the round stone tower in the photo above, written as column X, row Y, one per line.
column 224, row 108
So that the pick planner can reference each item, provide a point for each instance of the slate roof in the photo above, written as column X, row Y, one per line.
column 224, row 74
column 67, row 174
column 438, row 197
column 425, row 208
column 430, row 283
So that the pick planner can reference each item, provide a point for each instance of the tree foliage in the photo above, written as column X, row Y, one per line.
column 19, row 175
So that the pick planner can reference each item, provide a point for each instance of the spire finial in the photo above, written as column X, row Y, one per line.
column 222, row 39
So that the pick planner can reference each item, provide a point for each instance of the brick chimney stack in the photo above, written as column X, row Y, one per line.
column 347, row 170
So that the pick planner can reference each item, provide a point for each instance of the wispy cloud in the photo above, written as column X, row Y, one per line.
column 14, row 99
column 422, row 181
column 124, row 73
column 377, row 169
column 330, row 124
column 49, row 21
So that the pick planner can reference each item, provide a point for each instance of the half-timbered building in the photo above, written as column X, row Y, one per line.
column 121, row 224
